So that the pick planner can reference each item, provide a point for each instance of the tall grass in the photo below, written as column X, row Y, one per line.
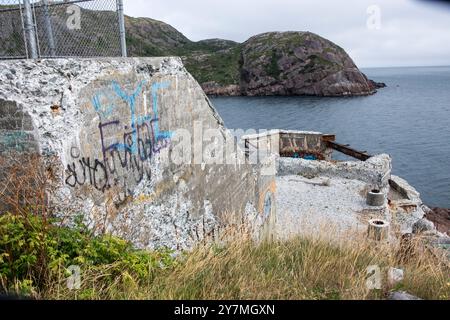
column 298, row 268
column 34, row 259
column 302, row 268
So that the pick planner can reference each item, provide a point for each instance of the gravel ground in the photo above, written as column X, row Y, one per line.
column 307, row 205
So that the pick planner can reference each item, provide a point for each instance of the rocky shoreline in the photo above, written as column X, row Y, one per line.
column 214, row 89
column 441, row 219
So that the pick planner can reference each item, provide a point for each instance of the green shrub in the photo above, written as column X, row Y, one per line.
column 35, row 253
column 272, row 69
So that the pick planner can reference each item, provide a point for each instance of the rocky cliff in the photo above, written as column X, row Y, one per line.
column 299, row 63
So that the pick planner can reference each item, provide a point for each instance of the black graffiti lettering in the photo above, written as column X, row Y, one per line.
column 74, row 152
column 82, row 166
column 71, row 179
column 137, row 167
column 100, row 182
column 121, row 163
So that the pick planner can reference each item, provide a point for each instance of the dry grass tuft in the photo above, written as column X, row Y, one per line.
column 302, row 268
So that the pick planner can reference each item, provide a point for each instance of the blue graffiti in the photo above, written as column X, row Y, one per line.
column 310, row 157
column 131, row 101
column 155, row 88
column 127, row 159
column 103, row 112
column 136, row 121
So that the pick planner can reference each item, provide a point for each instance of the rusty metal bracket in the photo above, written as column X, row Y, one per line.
column 363, row 156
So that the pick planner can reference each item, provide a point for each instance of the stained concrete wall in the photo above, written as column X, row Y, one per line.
column 288, row 143
column 16, row 129
column 128, row 136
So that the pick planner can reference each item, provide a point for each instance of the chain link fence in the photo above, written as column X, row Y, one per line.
column 64, row 28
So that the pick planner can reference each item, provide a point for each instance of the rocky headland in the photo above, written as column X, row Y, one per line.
column 273, row 63
column 299, row 63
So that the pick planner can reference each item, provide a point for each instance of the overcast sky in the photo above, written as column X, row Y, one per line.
column 376, row 33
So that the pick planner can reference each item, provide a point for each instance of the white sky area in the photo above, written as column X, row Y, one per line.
column 407, row 33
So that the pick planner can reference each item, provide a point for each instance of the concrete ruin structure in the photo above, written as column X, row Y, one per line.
column 139, row 151
column 113, row 129
column 313, row 189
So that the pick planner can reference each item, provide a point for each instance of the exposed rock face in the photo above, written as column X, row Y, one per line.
column 441, row 218
column 213, row 88
column 423, row 225
column 149, row 37
column 299, row 63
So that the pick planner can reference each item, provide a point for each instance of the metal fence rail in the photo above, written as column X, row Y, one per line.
column 61, row 28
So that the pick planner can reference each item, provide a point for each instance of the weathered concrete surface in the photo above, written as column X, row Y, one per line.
column 131, row 137
column 376, row 171
column 16, row 129
column 407, row 205
column 304, row 205
column 313, row 193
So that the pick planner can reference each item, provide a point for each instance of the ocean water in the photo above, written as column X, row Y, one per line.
column 410, row 120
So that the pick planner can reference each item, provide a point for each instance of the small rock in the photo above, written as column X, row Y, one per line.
column 396, row 276
column 402, row 296
column 9, row 76
column 444, row 241
column 422, row 226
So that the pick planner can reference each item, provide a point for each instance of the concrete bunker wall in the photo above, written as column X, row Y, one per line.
column 293, row 144
column 140, row 150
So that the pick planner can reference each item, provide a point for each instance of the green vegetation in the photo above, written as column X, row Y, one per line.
column 142, row 48
column 316, row 62
column 221, row 67
column 35, row 256
column 272, row 69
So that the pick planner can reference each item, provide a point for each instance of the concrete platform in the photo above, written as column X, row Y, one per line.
column 308, row 205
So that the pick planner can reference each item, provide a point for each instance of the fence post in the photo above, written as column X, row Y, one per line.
column 123, row 42
column 29, row 30
column 49, row 29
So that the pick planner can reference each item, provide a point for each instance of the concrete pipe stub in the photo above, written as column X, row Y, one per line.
column 378, row 229
column 376, row 198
